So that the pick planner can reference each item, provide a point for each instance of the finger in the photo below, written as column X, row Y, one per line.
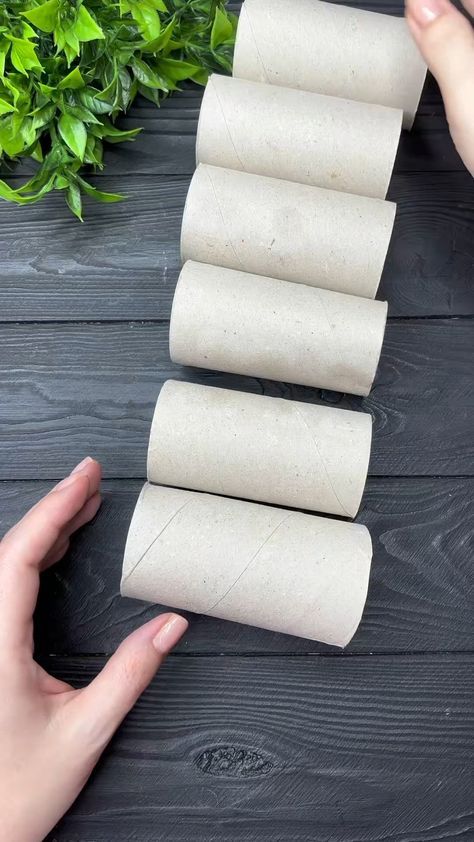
column 61, row 546
column 56, row 553
column 469, row 6
column 87, row 513
column 46, row 683
column 88, row 468
column 446, row 40
column 100, row 707
column 24, row 548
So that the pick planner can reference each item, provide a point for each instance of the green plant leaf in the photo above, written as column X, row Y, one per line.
column 114, row 135
column 68, row 68
column 37, row 153
column 82, row 113
column 222, row 29
column 85, row 27
column 42, row 116
column 74, row 201
column 147, row 18
column 159, row 5
column 73, row 80
column 44, row 16
column 147, row 76
column 6, row 107
column 99, row 194
column 23, row 55
column 177, row 70
column 46, row 90
column 27, row 31
column 88, row 97
column 201, row 77
column 74, row 134
column 160, row 43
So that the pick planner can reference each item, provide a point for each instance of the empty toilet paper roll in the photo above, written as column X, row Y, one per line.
column 248, row 324
column 290, row 231
column 242, row 445
column 332, row 50
column 298, row 136
column 285, row 571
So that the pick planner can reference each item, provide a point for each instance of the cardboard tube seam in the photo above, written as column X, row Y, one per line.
column 290, row 321
column 322, row 461
column 293, row 47
column 224, row 223
column 155, row 539
column 249, row 126
column 255, row 447
column 249, row 21
column 254, row 557
column 231, row 138
column 295, row 232
column 289, row 572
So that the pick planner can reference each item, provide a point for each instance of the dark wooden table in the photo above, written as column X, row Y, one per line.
column 247, row 735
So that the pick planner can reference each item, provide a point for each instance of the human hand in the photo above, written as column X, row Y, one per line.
column 51, row 735
column 446, row 41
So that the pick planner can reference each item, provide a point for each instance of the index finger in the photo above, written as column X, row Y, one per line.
column 24, row 548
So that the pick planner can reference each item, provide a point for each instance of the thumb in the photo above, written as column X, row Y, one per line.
column 101, row 707
column 446, row 40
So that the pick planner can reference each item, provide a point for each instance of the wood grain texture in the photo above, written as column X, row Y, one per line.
column 167, row 142
column 123, row 262
column 372, row 749
column 73, row 389
column 421, row 595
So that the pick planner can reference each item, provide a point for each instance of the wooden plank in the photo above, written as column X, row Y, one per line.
column 373, row 749
column 167, row 142
column 166, row 145
column 124, row 261
column 72, row 389
column 421, row 596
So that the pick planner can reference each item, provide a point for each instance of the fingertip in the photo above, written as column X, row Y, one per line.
column 79, row 467
column 425, row 12
column 68, row 482
column 170, row 633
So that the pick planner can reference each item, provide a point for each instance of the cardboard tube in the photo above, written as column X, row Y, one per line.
column 278, row 451
column 285, row 571
column 298, row 136
column 332, row 50
column 246, row 324
column 285, row 230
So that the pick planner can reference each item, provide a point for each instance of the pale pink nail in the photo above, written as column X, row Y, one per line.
column 65, row 482
column 426, row 11
column 81, row 465
column 170, row 633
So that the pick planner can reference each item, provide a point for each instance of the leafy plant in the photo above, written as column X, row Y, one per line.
column 68, row 68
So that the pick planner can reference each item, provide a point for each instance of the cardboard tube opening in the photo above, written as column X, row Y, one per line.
column 330, row 49
column 294, row 232
column 263, row 327
column 282, row 570
column 299, row 136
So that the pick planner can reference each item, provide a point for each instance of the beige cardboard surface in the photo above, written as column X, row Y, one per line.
column 290, row 231
column 298, row 136
column 332, row 50
column 281, row 570
column 277, row 451
column 248, row 324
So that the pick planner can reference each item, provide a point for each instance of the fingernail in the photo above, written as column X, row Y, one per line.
column 81, row 465
column 426, row 11
column 170, row 633
column 65, row 482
